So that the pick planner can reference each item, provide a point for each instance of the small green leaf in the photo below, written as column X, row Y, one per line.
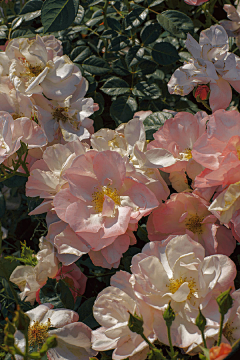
column 58, row 15
column 154, row 121
column 136, row 17
column 123, row 108
column 146, row 67
column 176, row 22
column 146, row 90
column 115, row 86
column 15, row 181
column 134, row 55
column 80, row 15
column 114, row 24
column 96, row 66
column 164, row 53
column 80, row 53
column 119, row 43
column 150, row 33
column 31, row 6
column 119, row 66
column 85, row 313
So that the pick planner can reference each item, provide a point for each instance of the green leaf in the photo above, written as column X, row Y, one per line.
column 177, row 23
column 80, row 15
column 152, row 3
column 66, row 295
column 31, row 6
column 146, row 67
column 134, row 55
column 114, row 24
column 80, row 53
column 119, row 43
column 164, row 53
column 156, row 354
column 7, row 267
column 146, row 90
column 56, row 293
column 136, row 17
column 96, row 66
column 85, row 313
column 150, row 33
column 120, row 67
column 154, row 121
column 58, row 15
column 15, row 181
column 122, row 109
column 115, row 86
column 26, row 33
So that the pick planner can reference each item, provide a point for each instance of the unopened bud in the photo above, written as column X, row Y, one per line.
column 225, row 301
column 201, row 321
column 202, row 92
column 135, row 323
column 169, row 315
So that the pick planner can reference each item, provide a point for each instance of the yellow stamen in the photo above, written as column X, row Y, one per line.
column 187, row 154
column 34, row 71
column 194, row 224
column 98, row 197
column 228, row 332
column 38, row 333
column 16, row 115
column 176, row 283
column 58, row 114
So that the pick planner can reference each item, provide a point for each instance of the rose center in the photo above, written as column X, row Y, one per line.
column 176, row 283
column 98, row 197
column 34, row 71
column 60, row 114
column 38, row 333
column 194, row 224
column 186, row 154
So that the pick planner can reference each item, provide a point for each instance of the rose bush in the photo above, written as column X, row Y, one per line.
column 119, row 179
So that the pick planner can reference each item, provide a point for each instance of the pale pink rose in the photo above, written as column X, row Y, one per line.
column 231, row 329
column 223, row 128
column 73, row 337
column 14, row 131
column 212, row 64
column 53, row 44
column 70, row 246
column 232, row 27
column 129, row 140
column 175, row 139
column 186, row 213
column 195, row 2
column 101, row 200
column 30, row 279
column 14, row 102
column 111, row 310
column 178, row 271
column 34, row 69
column 45, row 178
column 68, row 118
column 9, row 142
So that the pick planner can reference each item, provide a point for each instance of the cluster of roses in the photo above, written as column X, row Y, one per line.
column 97, row 186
